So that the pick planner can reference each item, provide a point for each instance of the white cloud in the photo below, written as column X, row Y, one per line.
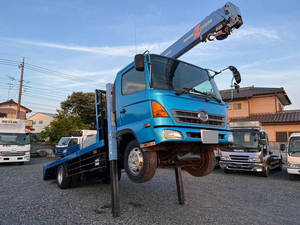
column 122, row 50
column 258, row 32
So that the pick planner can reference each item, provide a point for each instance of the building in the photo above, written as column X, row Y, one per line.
column 41, row 120
column 8, row 109
column 267, row 106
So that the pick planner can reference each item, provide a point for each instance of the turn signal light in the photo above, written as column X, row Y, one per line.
column 158, row 110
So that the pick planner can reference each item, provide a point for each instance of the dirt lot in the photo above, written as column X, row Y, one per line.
column 219, row 198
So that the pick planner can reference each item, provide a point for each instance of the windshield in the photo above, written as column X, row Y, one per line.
column 171, row 74
column 294, row 145
column 14, row 139
column 63, row 141
column 245, row 139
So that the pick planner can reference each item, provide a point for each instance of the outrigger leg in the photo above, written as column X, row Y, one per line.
column 179, row 183
column 114, row 181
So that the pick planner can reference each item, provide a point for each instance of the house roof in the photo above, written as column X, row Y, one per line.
column 48, row 114
column 286, row 116
column 14, row 103
column 248, row 92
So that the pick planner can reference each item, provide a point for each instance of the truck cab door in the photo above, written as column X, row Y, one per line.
column 132, row 101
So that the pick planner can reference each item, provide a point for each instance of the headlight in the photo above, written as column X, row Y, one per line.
column 254, row 159
column 230, row 138
column 65, row 151
column 293, row 165
column 27, row 152
column 172, row 134
column 225, row 158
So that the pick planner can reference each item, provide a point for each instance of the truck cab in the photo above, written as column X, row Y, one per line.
column 250, row 150
column 171, row 113
column 293, row 156
column 14, row 141
column 78, row 140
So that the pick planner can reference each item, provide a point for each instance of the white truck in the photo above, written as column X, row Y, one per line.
column 293, row 155
column 14, row 141
column 79, row 139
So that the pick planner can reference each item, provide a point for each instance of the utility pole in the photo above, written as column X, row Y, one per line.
column 21, row 66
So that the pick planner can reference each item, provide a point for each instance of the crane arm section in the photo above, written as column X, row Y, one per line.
column 218, row 25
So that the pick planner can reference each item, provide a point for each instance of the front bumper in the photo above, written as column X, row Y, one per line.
column 242, row 166
column 190, row 134
column 6, row 159
column 293, row 171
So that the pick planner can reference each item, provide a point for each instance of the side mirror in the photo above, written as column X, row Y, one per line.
column 236, row 74
column 139, row 62
column 282, row 147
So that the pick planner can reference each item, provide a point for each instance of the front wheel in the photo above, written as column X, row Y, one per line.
column 292, row 176
column 139, row 165
column 266, row 171
column 205, row 167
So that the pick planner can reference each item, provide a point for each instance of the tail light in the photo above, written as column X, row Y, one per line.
column 158, row 110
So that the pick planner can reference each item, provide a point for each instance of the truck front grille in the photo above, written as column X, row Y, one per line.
column 21, row 153
column 243, row 158
column 190, row 117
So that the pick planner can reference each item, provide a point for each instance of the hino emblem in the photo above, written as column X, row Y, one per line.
column 202, row 115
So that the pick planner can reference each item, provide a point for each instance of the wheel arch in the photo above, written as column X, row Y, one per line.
column 124, row 137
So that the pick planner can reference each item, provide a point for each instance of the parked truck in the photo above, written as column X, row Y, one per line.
column 293, row 155
column 79, row 139
column 14, row 141
column 167, row 113
column 250, row 150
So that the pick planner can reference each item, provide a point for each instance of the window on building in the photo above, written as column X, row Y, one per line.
column 41, row 122
column 133, row 81
column 237, row 106
column 281, row 137
column 33, row 122
column 3, row 115
column 229, row 107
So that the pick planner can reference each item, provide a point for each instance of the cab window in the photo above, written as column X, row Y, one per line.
column 133, row 81
column 73, row 141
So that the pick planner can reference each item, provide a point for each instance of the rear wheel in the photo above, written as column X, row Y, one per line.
column 105, row 177
column 62, row 180
column 139, row 165
column 206, row 165
column 266, row 171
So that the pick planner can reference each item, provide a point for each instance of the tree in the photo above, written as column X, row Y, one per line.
column 82, row 105
column 61, row 127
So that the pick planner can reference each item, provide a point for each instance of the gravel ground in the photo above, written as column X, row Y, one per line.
column 219, row 198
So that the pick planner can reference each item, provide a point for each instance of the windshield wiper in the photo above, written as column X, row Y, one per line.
column 188, row 90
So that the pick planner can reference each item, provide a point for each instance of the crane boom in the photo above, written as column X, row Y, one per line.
column 218, row 25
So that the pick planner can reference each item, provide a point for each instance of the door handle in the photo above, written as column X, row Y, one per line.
column 123, row 111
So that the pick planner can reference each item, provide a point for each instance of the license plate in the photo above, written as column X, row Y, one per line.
column 210, row 136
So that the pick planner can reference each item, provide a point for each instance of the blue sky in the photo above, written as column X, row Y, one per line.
column 89, row 41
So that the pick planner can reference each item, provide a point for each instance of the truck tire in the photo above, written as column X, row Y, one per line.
column 292, row 176
column 139, row 165
column 206, row 166
column 266, row 171
column 62, row 180
column 227, row 171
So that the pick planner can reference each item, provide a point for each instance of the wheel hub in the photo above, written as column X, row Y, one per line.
column 60, row 175
column 135, row 160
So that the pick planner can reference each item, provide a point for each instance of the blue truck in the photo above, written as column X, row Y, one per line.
column 167, row 113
